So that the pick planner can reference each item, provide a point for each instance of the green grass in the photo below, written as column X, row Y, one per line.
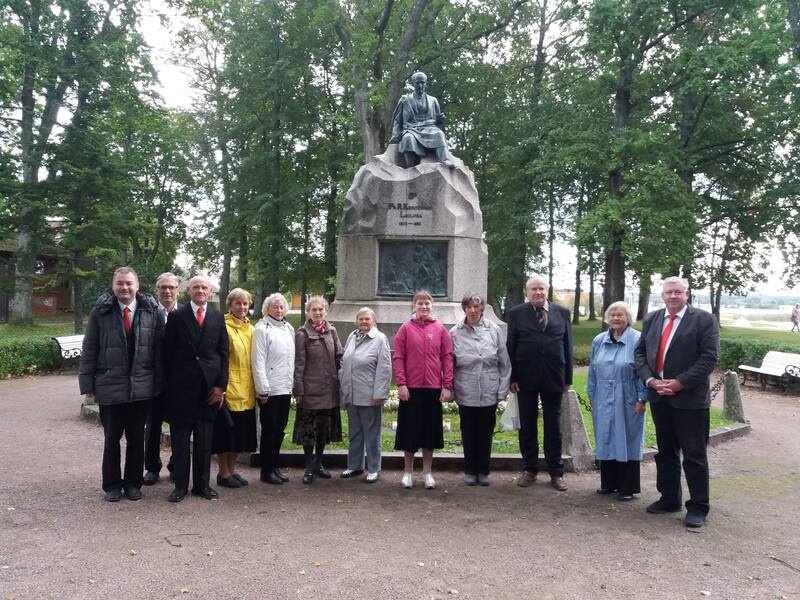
column 12, row 331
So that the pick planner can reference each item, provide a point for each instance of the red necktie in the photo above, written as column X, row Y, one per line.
column 662, row 346
column 200, row 311
column 126, row 319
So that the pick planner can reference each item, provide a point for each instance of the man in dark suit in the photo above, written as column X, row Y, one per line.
column 676, row 355
column 196, row 374
column 167, row 294
column 120, row 366
column 540, row 349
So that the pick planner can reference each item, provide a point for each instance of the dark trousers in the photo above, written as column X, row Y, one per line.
column 152, row 439
column 118, row 419
column 477, row 426
column 622, row 476
column 200, row 455
column 274, row 415
column 529, row 435
column 681, row 430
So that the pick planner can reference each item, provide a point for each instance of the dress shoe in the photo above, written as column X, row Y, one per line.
column 470, row 479
column 605, row 491
column 660, row 507
column 208, row 493
column 372, row 477
column 176, row 495
column 150, row 478
column 308, row 477
column 526, row 479
column 430, row 482
column 242, row 481
column 625, row 497
column 694, row 520
column 281, row 476
column 348, row 473
column 407, row 481
column 228, row 482
column 113, row 495
column 132, row 492
column 558, row 483
column 322, row 472
column 483, row 479
column 272, row 478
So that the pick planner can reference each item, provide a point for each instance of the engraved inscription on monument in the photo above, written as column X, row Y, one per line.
column 411, row 213
column 405, row 267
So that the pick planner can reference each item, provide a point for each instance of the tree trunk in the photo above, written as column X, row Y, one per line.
column 330, row 240
column 614, row 287
column 644, row 297
column 576, row 305
column 551, row 236
column 592, row 310
column 794, row 23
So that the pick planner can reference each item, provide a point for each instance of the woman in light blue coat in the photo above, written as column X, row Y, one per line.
column 364, row 379
column 617, row 396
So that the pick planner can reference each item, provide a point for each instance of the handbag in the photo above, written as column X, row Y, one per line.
column 509, row 420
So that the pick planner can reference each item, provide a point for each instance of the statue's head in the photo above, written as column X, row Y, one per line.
column 419, row 81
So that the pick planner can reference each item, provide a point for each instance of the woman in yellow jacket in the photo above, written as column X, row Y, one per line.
column 235, row 426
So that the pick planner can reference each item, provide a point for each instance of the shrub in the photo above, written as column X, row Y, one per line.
column 735, row 351
column 28, row 356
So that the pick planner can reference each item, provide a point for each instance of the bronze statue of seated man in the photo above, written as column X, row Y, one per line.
column 416, row 125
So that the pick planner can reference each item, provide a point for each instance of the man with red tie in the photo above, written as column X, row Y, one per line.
column 121, row 367
column 676, row 355
column 196, row 374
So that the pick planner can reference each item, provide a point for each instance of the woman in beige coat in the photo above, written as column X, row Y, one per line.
column 318, row 354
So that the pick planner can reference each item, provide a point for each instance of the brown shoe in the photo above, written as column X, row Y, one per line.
column 526, row 478
column 558, row 483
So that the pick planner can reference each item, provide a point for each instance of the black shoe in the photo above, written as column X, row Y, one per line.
column 625, row 497
column 694, row 520
column 151, row 478
column 323, row 473
column 281, row 476
column 113, row 495
column 605, row 491
column 308, row 477
column 132, row 492
column 208, row 493
column 660, row 507
column 242, row 481
column 228, row 482
column 348, row 473
column 272, row 478
column 177, row 495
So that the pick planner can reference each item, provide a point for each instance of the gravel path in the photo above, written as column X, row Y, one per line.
column 345, row 539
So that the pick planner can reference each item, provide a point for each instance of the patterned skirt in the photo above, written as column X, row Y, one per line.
column 312, row 426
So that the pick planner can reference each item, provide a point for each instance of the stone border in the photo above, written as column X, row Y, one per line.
column 443, row 462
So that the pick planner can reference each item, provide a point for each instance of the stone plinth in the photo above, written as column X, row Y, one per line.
column 404, row 230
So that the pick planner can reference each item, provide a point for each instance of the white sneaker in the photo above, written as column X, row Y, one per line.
column 407, row 481
column 372, row 477
column 430, row 482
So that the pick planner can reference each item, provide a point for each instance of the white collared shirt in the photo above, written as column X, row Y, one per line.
column 131, row 307
column 166, row 312
column 196, row 306
column 680, row 314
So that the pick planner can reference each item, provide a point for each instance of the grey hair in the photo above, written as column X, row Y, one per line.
column 469, row 299
column 317, row 300
column 366, row 310
column 533, row 278
column 617, row 305
column 203, row 278
column 272, row 299
column 166, row 275
column 675, row 279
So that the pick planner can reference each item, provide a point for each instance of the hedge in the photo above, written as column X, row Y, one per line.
column 735, row 351
column 28, row 356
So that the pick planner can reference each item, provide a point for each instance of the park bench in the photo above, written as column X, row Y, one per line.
column 777, row 368
column 69, row 345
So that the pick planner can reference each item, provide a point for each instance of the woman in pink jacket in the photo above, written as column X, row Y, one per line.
column 423, row 368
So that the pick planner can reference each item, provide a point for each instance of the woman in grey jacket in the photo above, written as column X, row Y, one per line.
column 364, row 378
column 481, row 378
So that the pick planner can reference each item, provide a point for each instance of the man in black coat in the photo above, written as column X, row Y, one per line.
column 540, row 349
column 167, row 294
column 196, row 375
column 121, row 367
column 676, row 354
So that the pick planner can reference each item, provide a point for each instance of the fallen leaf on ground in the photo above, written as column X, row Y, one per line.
column 452, row 592
column 420, row 564
column 705, row 593
column 317, row 563
column 184, row 590
column 210, row 553
column 132, row 552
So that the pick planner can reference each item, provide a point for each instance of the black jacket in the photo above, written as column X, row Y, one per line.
column 541, row 361
column 195, row 360
column 106, row 368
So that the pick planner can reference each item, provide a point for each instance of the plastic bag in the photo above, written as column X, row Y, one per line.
column 509, row 420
